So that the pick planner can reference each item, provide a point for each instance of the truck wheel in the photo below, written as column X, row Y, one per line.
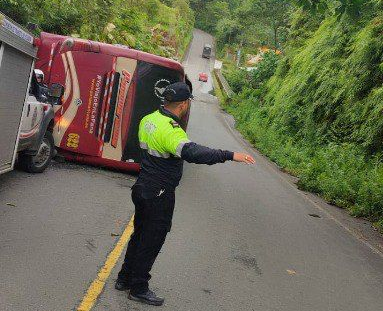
column 39, row 162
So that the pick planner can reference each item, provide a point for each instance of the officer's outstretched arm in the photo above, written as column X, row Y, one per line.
column 176, row 142
column 194, row 153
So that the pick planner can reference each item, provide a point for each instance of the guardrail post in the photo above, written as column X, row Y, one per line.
column 223, row 84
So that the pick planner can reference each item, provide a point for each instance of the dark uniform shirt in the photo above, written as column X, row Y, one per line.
column 165, row 146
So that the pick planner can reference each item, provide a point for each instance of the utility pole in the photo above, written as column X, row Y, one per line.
column 239, row 54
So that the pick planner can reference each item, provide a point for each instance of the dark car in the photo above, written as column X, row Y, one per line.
column 206, row 53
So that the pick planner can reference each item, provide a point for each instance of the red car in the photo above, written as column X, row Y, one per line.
column 202, row 77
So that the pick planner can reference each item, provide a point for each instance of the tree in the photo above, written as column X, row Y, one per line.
column 17, row 10
column 228, row 31
column 215, row 10
column 351, row 7
column 269, row 17
column 245, row 22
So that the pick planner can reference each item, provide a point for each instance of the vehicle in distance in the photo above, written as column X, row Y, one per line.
column 206, row 52
column 202, row 77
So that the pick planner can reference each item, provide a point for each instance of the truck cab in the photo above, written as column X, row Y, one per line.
column 36, row 145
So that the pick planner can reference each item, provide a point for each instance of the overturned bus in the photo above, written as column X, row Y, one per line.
column 108, row 89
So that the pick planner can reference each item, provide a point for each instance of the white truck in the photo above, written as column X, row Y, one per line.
column 36, row 145
column 25, row 114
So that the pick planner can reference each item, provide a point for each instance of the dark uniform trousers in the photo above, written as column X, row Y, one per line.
column 152, row 221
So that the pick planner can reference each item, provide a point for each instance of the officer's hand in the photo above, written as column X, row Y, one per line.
column 243, row 157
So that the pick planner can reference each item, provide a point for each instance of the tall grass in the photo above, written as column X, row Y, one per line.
column 320, row 115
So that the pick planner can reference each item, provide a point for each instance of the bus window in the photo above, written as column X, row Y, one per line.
column 149, row 83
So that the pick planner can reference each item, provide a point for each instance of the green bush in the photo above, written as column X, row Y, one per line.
column 240, row 79
column 264, row 70
column 237, row 78
column 17, row 10
column 151, row 26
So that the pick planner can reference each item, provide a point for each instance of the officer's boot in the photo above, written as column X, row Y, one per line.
column 147, row 297
column 121, row 285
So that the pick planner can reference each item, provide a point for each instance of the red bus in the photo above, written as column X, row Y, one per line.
column 107, row 91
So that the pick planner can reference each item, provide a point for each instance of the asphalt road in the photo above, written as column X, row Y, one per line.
column 242, row 236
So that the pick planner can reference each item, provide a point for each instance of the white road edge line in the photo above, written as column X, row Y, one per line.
column 277, row 172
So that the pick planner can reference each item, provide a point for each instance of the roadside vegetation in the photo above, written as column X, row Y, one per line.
column 317, row 109
column 159, row 27
column 243, row 23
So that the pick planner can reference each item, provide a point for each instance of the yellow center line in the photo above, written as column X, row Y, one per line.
column 98, row 284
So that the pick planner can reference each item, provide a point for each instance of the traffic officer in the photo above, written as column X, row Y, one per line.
column 165, row 146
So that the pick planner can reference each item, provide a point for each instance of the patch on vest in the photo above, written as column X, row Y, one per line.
column 149, row 127
column 174, row 123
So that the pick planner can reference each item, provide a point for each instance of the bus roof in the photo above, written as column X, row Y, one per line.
column 115, row 50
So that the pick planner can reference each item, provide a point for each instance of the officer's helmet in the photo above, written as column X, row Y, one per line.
column 39, row 75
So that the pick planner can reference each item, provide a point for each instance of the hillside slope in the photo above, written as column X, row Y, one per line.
column 159, row 27
column 320, row 114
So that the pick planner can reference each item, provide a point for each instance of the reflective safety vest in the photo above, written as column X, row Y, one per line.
column 161, row 136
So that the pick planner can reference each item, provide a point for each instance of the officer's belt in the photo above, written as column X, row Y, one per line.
column 164, row 155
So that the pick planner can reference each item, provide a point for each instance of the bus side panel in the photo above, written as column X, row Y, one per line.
column 58, row 76
column 115, row 128
column 76, row 122
column 150, row 82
